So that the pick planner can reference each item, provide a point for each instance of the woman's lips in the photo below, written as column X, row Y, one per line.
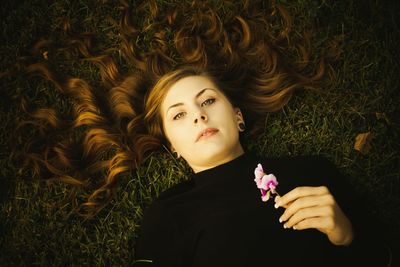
column 207, row 133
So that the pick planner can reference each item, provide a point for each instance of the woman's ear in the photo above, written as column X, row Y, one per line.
column 239, row 115
column 240, row 120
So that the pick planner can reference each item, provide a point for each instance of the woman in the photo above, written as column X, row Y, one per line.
column 217, row 218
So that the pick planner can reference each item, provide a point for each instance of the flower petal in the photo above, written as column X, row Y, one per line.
column 264, row 181
column 266, row 197
column 259, row 172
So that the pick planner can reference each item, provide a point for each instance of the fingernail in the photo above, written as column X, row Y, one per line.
column 280, row 220
column 284, row 226
column 294, row 227
column 276, row 205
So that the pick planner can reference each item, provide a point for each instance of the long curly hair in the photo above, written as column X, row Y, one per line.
column 247, row 49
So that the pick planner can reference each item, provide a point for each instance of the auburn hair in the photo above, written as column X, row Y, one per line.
column 246, row 49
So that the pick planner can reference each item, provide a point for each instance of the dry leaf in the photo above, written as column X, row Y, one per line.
column 363, row 142
column 46, row 55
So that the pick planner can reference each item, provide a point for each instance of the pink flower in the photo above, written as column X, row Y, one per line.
column 269, row 182
column 266, row 183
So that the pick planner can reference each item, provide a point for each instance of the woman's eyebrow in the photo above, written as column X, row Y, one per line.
column 197, row 96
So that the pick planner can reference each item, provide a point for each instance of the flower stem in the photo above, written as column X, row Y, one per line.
column 275, row 192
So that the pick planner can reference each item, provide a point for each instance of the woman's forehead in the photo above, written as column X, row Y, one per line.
column 188, row 88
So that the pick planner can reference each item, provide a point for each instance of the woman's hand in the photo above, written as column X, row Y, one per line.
column 315, row 207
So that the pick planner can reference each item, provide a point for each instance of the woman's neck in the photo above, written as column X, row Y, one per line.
column 213, row 162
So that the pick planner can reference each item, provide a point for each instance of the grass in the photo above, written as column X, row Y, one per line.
column 364, row 98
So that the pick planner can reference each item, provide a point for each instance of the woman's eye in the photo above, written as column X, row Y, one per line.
column 208, row 101
column 178, row 116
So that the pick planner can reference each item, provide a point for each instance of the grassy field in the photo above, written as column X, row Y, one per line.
column 363, row 98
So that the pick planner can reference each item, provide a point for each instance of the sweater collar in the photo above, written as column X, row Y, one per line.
column 241, row 165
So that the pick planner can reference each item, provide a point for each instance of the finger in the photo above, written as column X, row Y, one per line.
column 301, row 192
column 305, row 202
column 285, row 206
column 307, row 213
column 319, row 223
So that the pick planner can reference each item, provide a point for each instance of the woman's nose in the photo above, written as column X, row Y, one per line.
column 202, row 117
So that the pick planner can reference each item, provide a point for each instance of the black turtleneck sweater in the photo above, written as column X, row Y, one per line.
column 217, row 218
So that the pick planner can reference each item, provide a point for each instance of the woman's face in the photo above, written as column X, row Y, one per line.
column 192, row 105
